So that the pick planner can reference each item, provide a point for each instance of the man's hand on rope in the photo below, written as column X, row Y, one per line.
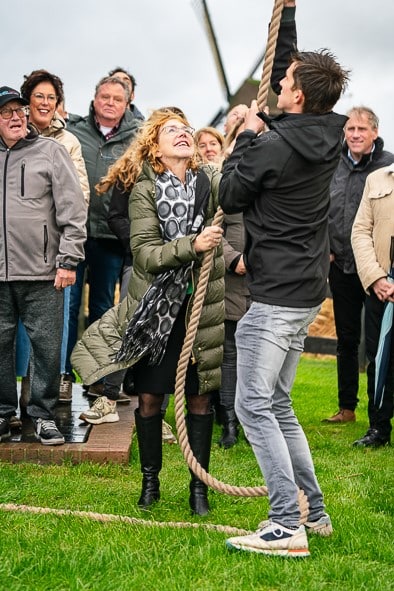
column 253, row 122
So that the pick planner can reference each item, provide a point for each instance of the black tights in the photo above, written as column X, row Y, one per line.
column 150, row 404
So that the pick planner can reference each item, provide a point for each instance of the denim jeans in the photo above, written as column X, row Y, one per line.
column 103, row 263
column 40, row 307
column 269, row 341
column 348, row 298
column 22, row 354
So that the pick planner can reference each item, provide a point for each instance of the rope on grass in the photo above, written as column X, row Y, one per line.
column 194, row 465
column 108, row 518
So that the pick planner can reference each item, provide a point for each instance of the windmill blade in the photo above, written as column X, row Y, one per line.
column 203, row 14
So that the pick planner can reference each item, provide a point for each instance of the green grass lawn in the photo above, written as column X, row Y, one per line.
column 70, row 553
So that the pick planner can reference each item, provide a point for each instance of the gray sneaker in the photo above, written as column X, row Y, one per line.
column 321, row 527
column 47, row 432
column 66, row 388
column 5, row 431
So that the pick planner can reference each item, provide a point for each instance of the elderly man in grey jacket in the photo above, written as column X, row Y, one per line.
column 42, row 235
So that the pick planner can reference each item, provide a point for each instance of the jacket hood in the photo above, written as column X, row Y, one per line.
column 320, row 137
column 57, row 124
column 32, row 135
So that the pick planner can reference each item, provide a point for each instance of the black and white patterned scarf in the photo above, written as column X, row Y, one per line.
column 149, row 329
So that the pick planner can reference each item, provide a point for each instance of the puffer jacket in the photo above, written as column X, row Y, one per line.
column 57, row 129
column 373, row 227
column 93, row 355
column 42, row 210
column 346, row 190
column 99, row 154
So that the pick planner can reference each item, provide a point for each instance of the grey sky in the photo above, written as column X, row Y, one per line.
column 165, row 46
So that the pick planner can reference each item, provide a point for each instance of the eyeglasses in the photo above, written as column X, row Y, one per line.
column 51, row 98
column 173, row 130
column 20, row 111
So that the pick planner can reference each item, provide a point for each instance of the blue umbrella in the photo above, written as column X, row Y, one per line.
column 382, row 358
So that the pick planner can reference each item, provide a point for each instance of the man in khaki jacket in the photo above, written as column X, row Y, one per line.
column 372, row 232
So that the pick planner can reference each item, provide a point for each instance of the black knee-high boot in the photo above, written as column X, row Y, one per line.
column 199, row 429
column 150, row 448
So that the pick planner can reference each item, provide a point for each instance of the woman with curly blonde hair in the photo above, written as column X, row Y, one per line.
column 172, row 204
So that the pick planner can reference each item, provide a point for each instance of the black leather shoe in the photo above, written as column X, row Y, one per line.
column 372, row 438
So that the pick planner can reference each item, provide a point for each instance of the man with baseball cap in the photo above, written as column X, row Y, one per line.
column 42, row 233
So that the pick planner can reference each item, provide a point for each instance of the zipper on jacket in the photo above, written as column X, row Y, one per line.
column 23, row 166
column 4, row 214
column 45, row 243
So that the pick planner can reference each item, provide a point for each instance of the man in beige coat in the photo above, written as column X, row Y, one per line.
column 372, row 232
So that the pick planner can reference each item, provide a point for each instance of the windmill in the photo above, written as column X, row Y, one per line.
column 249, row 87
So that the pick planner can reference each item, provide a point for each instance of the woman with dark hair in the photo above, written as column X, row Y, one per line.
column 172, row 204
column 44, row 92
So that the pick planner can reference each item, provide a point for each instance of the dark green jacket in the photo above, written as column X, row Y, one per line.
column 93, row 355
column 99, row 154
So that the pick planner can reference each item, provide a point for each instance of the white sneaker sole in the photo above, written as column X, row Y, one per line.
column 50, row 441
column 287, row 552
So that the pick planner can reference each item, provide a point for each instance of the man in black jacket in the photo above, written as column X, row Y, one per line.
column 362, row 153
column 280, row 181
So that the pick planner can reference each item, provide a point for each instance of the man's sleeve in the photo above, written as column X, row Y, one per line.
column 240, row 183
column 71, row 209
column 286, row 44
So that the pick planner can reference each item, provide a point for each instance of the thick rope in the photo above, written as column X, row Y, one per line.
column 194, row 465
column 107, row 517
column 262, row 94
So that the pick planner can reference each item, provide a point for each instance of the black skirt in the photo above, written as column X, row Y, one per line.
column 160, row 379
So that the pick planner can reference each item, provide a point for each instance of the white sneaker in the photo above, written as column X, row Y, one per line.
column 166, row 433
column 321, row 527
column 274, row 540
column 102, row 410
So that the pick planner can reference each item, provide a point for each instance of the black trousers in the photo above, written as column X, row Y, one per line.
column 378, row 419
column 348, row 298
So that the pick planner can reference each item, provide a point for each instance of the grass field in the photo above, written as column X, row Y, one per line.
column 73, row 553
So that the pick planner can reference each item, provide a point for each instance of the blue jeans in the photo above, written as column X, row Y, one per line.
column 103, row 262
column 270, row 340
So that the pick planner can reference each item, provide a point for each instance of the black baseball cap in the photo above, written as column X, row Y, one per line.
column 8, row 94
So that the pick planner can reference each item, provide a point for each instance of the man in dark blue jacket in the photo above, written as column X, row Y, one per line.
column 280, row 181
column 362, row 153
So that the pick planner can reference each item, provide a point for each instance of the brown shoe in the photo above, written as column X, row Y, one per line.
column 343, row 416
column 66, row 388
column 14, row 422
